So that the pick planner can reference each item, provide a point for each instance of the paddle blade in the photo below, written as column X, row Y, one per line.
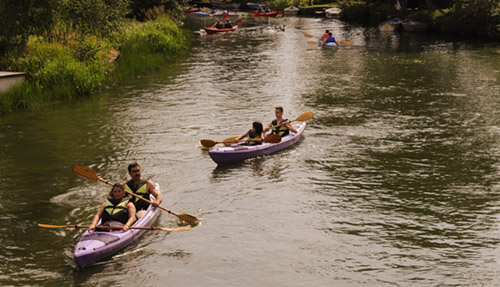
column 308, row 35
column 312, row 42
column 239, row 20
column 305, row 117
column 230, row 141
column 225, row 15
column 188, row 218
column 273, row 138
column 85, row 172
column 345, row 42
column 207, row 143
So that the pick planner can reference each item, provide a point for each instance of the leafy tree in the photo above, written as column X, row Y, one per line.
column 140, row 7
column 21, row 18
column 98, row 17
column 473, row 17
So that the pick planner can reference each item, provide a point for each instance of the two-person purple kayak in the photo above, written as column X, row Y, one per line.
column 97, row 245
column 240, row 152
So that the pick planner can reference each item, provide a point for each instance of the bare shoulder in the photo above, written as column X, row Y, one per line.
column 150, row 185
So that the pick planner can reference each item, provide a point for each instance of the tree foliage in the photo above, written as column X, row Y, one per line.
column 473, row 17
column 97, row 17
column 21, row 18
column 139, row 8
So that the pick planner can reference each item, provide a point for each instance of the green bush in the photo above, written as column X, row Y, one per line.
column 144, row 46
column 279, row 4
column 476, row 18
column 424, row 16
column 365, row 14
column 63, row 69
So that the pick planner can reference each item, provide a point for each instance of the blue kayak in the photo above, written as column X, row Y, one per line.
column 327, row 44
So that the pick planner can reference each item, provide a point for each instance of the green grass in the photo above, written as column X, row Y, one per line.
column 61, row 70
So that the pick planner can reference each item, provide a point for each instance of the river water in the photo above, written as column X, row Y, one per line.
column 394, row 183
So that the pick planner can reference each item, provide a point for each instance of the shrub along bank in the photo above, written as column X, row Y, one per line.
column 478, row 18
column 66, row 64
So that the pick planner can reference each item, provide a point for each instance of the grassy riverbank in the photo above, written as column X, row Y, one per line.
column 66, row 64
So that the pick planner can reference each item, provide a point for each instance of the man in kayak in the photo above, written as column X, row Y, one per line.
column 219, row 25
column 142, row 187
column 228, row 24
column 117, row 207
column 280, row 126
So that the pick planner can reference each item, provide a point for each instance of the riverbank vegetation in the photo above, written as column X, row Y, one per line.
column 92, row 44
column 473, row 18
column 476, row 18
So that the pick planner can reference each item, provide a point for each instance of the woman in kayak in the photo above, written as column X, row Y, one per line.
column 255, row 135
column 219, row 25
column 116, row 208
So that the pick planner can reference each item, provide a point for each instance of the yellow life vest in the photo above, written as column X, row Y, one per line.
column 281, row 130
column 142, row 191
column 116, row 211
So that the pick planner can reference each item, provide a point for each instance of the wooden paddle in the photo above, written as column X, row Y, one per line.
column 116, row 227
column 211, row 143
column 88, row 173
column 233, row 140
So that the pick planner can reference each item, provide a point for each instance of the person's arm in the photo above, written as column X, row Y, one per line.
column 152, row 189
column 96, row 218
column 131, row 216
column 290, row 127
column 261, row 138
column 269, row 126
column 242, row 136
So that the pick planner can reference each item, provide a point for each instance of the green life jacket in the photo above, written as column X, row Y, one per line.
column 142, row 191
column 281, row 130
column 115, row 211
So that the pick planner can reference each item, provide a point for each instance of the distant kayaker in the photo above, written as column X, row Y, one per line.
column 255, row 135
column 325, row 36
column 142, row 187
column 219, row 25
column 117, row 207
column 280, row 126
column 330, row 39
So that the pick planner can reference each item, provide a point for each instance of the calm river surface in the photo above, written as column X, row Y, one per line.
column 394, row 183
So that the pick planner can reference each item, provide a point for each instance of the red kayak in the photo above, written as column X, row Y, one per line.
column 266, row 14
column 191, row 10
column 213, row 30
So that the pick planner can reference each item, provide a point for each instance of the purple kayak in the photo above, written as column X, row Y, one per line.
column 239, row 152
column 97, row 245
